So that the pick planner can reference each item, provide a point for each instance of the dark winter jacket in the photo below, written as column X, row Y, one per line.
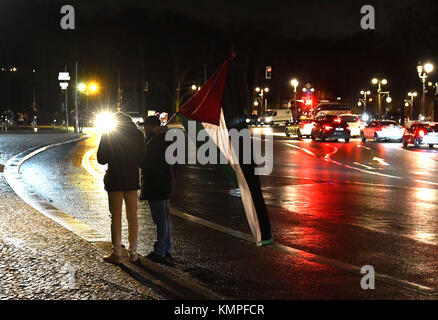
column 122, row 149
column 157, row 174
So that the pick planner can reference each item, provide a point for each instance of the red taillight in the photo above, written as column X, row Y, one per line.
column 348, row 128
column 327, row 128
column 338, row 120
column 421, row 133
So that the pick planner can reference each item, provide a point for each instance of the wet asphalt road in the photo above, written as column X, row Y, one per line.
column 356, row 203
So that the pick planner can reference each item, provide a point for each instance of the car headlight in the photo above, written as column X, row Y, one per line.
column 105, row 122
column 268, row 119
column 247, row 120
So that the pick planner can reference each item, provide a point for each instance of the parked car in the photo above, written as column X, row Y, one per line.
column 382, row 130
column 331, row 127
column 421, row 134
column 276, row 116
column 300, row 128
column 354, row 123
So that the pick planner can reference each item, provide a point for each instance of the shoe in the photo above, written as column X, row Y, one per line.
column 113, row 258
column 156, row 258
column 133, row 257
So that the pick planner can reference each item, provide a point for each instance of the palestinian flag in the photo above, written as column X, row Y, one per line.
column 218, row 107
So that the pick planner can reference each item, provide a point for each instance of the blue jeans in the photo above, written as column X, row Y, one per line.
column 160, row 216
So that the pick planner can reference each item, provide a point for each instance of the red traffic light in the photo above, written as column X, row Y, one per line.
column 308, row 102
column 268, row 72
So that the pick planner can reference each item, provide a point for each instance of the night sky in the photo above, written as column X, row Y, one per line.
column 164, row 41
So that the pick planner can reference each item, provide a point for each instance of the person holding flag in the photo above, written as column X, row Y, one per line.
column 157, row 186
column 218, row 107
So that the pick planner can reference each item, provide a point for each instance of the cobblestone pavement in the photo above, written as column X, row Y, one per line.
column 40, row 259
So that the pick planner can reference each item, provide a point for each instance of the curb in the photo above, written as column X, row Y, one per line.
column 147, row 272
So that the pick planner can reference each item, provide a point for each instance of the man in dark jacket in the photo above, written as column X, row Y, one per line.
column 157, row 184
column 122, row 150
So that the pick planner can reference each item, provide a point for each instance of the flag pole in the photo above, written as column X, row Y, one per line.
column 171, row 118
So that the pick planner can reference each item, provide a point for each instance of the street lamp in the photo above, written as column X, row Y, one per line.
column 423, row 72
column 93, row 88
column 380, row 93
column 412, row 95
column 262, row 92
column 82, row 87
column 294, row 83
column 365, row 94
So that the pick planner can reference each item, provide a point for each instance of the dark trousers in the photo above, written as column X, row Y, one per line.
column 160, row 216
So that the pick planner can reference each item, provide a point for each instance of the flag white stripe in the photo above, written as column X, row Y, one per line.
column 220, row 136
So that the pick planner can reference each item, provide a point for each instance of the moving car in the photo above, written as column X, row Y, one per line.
column 276, row 116
column 331, row 127
column 382, row 130
column 354, row 123
column 300, row 128
column 332, row 108
column 421, row 134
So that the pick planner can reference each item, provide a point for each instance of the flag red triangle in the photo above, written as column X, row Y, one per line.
column 205, row 105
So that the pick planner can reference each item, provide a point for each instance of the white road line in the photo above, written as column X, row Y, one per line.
column 327, row 159
column 363, row 165
column 302, row 149
column 27, row 194
column 307, row 255
column 285, row 249
column 381, row 161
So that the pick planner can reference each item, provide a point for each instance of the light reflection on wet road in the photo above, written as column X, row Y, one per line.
column 359, row 203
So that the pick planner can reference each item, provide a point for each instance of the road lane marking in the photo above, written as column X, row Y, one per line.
column 381, row 161
column 28, row 195
column 293, row 251
column 361, row 146
column 306, row 255
column 363, row 165
column 328, row 159
column 427, row 182
column 283, row 248
column 87, row 165
column 302, row 149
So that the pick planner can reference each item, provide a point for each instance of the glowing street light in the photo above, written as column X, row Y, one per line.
column 423, row 73
column 412, row 95
column 294, row 83
column 428, row 67
column 82, row 87
column 365, row 93
column 380, row 93
column 262, row 92
column 93, row 88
